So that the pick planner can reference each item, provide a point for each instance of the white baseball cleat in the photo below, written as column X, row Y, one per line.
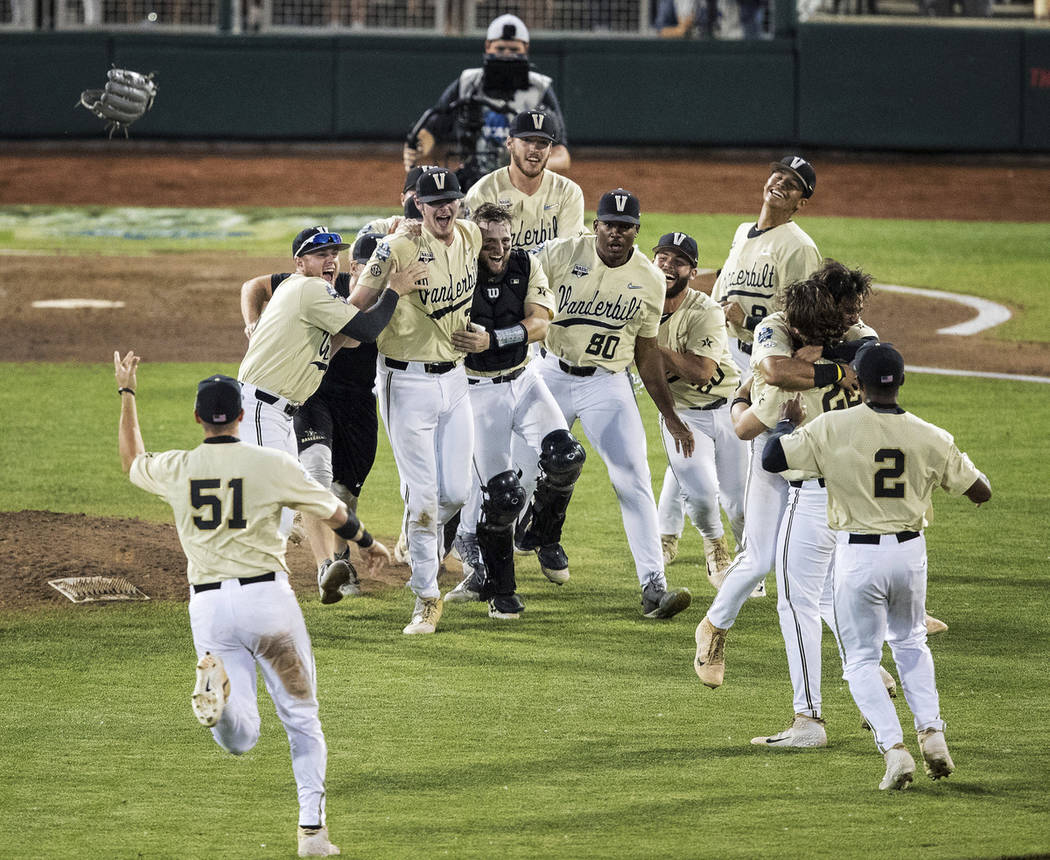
column 936, row 760
column 331, row 577
column 900, row 769
column 425, row 616
column 760, row 590
column 669, row 545
column 888, row 682
column 934, row 625
column 804, row 733
column 710, row 661
column 313, row 842
column 716, row 553
column 212, row 691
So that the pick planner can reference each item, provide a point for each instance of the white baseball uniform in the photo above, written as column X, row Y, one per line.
column 718, row 466
column 423, row 388
column 881, row 466
column 760, row 267
column 227, row 498
column 591, row 340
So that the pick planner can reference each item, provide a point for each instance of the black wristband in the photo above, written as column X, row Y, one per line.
column 826, row 374
column 348, row 530
column 784, row 427
column 366, row 540
column 130, row 391
column 737, row 400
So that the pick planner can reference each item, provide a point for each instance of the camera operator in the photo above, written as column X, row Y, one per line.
column 473, row 115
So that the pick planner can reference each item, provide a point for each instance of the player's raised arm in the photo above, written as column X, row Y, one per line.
column 129, row 436
column 255, row 293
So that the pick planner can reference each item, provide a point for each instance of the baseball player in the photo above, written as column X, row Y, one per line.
column 609, row 300
column 383, row 226
column 512, row 307
column 881, row 466
column 473, row 114
column 777, row 363
column 702, row 376
column 227, row 499
column 422, row 385
column 542, row 204
column 292, row 344
column 336, row 428
column 767, row 255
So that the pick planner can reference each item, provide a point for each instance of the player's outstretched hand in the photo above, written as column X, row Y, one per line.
column 124, row 370
column 793, row 410
column 410, row 227
column 682, row 435
column 474, row 338
column 410, row 279
column 849, row 379
column 734, row 313
column 376, row 557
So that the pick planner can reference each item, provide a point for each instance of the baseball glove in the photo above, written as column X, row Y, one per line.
column 125, row 98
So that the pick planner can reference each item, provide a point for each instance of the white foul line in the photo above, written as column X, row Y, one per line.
column 989, row 314
column 1012, row 377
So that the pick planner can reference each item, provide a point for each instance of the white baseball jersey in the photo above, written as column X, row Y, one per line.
column 760, row 266
column 554, row 211
column 698, row 326
column 227, row 498
column 600, row 310
column 423, row 322
column 291, row 346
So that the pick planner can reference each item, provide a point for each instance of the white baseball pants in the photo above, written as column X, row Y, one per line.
column 520, row 409
column 261, row 623
column 764, row 501
column 717, row 471
column 269, row 426
column 606, row 407
column 430, row 425
column 880, row 596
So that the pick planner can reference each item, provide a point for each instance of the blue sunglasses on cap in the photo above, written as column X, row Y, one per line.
column 320, row 240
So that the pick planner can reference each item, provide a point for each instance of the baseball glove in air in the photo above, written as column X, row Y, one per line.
column 126, row 97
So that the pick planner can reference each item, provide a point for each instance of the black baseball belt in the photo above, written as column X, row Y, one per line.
column 798, row 485
column 428, row 366
column 243, row 580
column 573, row 370
column 715, row 404
column 874, row 539
column 744, row 346
column 289, row 408
column 496, row 380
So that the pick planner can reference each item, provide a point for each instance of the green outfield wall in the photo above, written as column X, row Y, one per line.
column 834, row 85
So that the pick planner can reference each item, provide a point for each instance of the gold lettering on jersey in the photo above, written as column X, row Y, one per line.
column 623, row 310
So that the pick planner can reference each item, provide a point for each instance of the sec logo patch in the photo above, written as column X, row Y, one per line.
column 375, row 270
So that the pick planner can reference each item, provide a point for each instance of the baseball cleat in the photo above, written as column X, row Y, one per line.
column 313, row 842
column 669, row 545
column 465, row 548
column 804, row 733
column 888, row 682
column 661, row 602
column 900, row 769
column 760, row 590
column 936, row 760
column 934, row 625
column 352, row 587
column 710, row 661
column 506, row 606
column 212, row 691
column 298, row 532
column 716, row 553
column 331, row 577
column 468, row 591
column 425, row 616
column 401, row 555
column 554, row 563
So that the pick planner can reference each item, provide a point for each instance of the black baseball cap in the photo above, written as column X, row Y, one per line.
column 680, row 243
column 314, row 239
column 802, row 170
column 412, row 177
column 437, row 186
column 218, row 399
column 364, row 246
column 534, row 123
column 879, row 364
column 619, row 206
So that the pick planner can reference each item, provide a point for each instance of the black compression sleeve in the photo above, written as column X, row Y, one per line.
column 366, row 325
column 773, row 459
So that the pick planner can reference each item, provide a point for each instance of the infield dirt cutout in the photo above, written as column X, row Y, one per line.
column 185, row 307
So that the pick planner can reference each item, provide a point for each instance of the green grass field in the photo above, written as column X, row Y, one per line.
column 580, row 731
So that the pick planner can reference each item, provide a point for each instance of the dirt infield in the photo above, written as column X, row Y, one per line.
column 182, row 307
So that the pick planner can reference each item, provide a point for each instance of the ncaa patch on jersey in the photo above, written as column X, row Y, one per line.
column 764, row 334
column 579, row 271
column 426, row 257
column 383, row 250
column 334, row 294
column 505, row 204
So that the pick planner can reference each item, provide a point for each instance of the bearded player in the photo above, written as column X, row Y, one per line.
column 610, row 298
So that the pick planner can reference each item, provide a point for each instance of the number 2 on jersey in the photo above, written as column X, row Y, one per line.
column 199, row 499
column 896, row 489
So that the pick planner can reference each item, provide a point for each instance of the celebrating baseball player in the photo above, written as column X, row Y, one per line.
column 609, row 301
column 777, row 362
column 512, row 307
column 227, row 499
column 336, row 428
column 473, row 114
column 702, row 376
column 881, row 465
column 422, row 385
column 542, row 204
column 767, row 255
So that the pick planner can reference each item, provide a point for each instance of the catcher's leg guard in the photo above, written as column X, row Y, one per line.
column 502, row 500
column 561, row 461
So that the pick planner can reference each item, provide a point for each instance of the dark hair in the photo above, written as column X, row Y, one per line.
column 811, row 310
column 842, row 282
column 490, row 212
